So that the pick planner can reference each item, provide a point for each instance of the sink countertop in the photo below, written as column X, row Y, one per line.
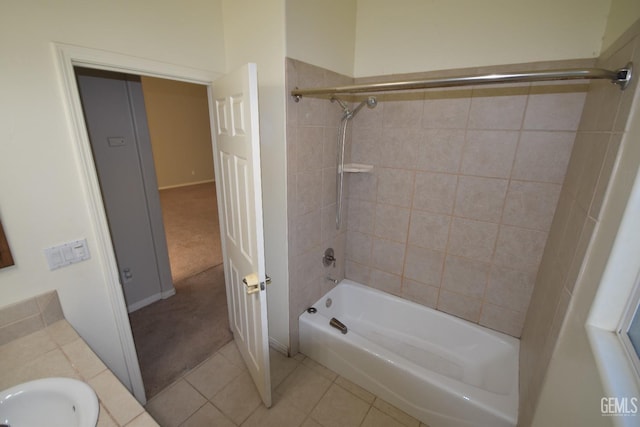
column 58, row 351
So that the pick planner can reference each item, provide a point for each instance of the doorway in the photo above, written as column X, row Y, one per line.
column 174, row 334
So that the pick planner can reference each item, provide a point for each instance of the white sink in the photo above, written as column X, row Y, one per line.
column 50, row 402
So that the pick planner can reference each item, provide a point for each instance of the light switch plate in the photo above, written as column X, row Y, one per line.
column 67, row 254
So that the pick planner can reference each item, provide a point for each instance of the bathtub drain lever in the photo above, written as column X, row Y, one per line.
column 338, row 325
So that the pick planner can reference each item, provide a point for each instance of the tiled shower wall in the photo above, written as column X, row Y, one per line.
column 596, row 149
column 312, row 127
column 456, row 212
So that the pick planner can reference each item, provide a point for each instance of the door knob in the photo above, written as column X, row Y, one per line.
column 253, row 284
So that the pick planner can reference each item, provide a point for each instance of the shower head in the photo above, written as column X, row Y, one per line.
column 370, row 102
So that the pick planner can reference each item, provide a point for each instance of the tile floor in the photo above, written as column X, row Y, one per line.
column 220, row 392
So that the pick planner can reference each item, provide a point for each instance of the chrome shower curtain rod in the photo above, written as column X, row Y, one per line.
column 620, row 77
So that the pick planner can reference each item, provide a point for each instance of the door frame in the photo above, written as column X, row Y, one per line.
column 69, row 56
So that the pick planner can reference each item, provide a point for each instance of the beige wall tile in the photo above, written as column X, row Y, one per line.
column 307, row 231
column 366, row 144
column 446, row 109
column 50, row 307
column 559, row 110
column 473, row 239
column 387, row 256
column 519, row 248
column 395, row 186
column 329, row 190
column 465, row 276
column 364, row 186
column 502, row 319
column 441, row 150
column 459, row 305
column 531, row 204
column 386, row 282
column 434, row 192
column 391, row 223
column 330, row 146
column 423, row 265
column 309, row 191
column 21, row 328
column 19, row 311
column 428, row 230
column 357, row 272
column 405, row 113
column 489, row 153
column 480, row 198
column 399, row 147
column 361, row 216
column 420, row 292
column 359, row 247
column 596, row 150
column 498, row 107
column 605, row 174
column 543, row 156
column 510, row 288
column 309, row 148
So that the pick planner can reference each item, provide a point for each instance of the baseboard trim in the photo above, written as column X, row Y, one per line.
column 145, row 302
column 168, row 187
column 277, row 346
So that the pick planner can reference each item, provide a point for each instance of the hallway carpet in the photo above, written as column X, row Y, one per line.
column 190, row 216
column 175, row 335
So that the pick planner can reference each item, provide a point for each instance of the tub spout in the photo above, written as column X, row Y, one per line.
column 331, row 279
column 338, row 325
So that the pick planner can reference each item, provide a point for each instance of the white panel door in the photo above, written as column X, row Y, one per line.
column 237, row 157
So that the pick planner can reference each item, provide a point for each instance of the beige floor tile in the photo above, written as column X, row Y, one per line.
column 238, row 399
column 325, row 372
column 175, row 404
column 377, row 418
column 278, row 415
column 104, row 419
column 208, row 415
column 399, row 415
column 143, row 420
column 231, row 352
column 212, row 375
column 281, row 367
column 355, row 389
column 339, row 408
column 303, row 389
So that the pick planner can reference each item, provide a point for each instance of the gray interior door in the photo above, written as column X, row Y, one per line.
column 116, row 120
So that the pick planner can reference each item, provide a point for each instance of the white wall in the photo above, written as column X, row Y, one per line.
column 322, row 33
column 42, row 197
column 622, row 15
column 254, row 31
column 415, row 35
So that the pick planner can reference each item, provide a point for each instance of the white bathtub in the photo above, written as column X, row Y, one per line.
column 442, row 370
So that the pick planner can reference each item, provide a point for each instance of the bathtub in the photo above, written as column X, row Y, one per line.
column 440, row 369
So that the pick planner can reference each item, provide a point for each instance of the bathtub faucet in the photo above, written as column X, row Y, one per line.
column 331, row 279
